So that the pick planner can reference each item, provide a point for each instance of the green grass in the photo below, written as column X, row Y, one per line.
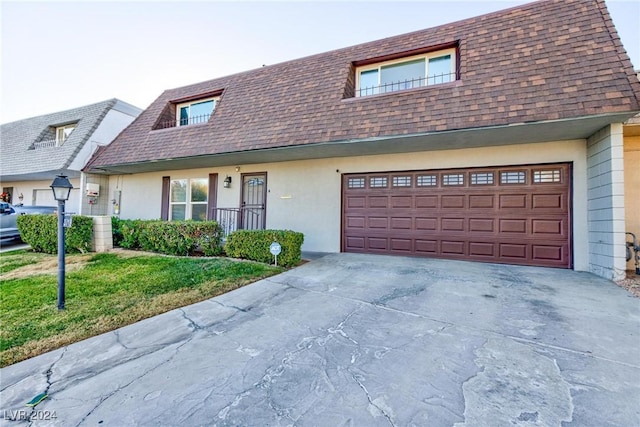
column 106, row 292
column 16, row 259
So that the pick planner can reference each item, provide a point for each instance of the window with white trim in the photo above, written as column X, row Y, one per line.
column 194, row 112
column 62, row 133
column 188, row 199
column 406, row 73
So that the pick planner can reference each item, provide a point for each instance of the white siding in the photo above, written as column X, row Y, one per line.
column 605, row 194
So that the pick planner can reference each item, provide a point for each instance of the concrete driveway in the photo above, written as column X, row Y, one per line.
column 359, row 340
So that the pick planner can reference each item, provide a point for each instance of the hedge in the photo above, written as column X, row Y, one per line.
column 41, row 233
column 170, row 237
column 254, row 245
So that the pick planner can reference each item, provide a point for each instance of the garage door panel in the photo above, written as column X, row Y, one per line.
column 377, row 243
column 503, row 214
column 553, row 227
column 452, row 202
column 547, row 252
column 403, row 245
column 483, row 249
column 426, row 246
column 481, row 225
column 428, row 224
column 452, row 247
column 481, row 201
column 401, row 223
column 426, row 202
column 513, row 250
column 378, row 222
column 512, row 201
column 452, row 224
column 400, row 202
column 548, row 202
column 513, row 225
column 378, row 201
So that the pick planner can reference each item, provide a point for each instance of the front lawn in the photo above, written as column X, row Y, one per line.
column 103, row 292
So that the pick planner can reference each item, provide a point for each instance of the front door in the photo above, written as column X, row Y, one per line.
column 254, row 197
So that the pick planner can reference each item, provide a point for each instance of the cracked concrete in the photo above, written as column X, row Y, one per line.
column 351, row 340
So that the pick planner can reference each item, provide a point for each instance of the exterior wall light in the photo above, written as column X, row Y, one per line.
column 227, row 182
column 61, row 189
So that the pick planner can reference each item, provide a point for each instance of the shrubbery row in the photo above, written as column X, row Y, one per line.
column 254, row 245
column 41, row 233
column 168, row 237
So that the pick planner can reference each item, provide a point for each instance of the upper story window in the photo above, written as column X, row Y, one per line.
column 194, row 112
column 406, row 73
column 62, row 133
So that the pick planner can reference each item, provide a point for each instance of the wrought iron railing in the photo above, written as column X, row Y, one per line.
column 407, row 84
column 232, row 219
column 49, row 143
column 193, row 120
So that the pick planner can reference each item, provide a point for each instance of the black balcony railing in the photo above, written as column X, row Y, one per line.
column 407, row 84
column 193, row 120
column 232, row 219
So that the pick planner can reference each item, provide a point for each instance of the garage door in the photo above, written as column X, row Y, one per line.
column 515, row 215
column 44, row 197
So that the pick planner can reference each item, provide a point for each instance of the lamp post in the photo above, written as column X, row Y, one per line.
column 61, row 189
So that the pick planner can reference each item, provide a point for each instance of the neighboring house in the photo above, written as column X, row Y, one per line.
column 497, row 138
column 37, row 149
column 631, row 133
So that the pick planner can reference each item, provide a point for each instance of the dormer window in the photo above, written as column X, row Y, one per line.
column 194, row 112
column 62, row 133
column 410, row 72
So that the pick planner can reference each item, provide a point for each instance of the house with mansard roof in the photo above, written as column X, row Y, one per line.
column 497, row 138
column 35, row 150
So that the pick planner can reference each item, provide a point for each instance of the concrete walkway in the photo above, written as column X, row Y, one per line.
column 359, row 340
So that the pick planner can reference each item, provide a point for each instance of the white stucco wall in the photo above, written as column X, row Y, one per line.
column 28, row 190
column 306, row 195
column 632, row 188
column 606, row 214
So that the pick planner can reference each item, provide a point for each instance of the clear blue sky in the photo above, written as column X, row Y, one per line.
column 61, row 55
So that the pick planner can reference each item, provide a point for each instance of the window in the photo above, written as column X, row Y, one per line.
column 378, row 182
column 194, row 112
column 62, row 133
column 515, row 177
column 427, row 181
column 356, row 182
column 482, row 178
column 402, row 181
column 552, row 175
column 188, row 199
column 453, row 179
column 415, row 71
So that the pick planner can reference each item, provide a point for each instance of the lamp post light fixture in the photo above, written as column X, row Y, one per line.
column 61, row 189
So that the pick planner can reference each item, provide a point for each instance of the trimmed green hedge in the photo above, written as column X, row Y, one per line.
column 254, row 245
column 41, row 233
column 170, row 237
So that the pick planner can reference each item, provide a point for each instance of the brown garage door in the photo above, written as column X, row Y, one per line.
column 514, row 215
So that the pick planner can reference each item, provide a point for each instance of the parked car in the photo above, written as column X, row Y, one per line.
column 9, row 218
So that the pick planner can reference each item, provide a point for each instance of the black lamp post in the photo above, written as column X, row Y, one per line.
column 61, row 189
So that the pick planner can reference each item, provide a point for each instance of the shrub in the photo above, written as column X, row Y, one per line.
column 254, row 245
column 41, row 233
column 172, row 237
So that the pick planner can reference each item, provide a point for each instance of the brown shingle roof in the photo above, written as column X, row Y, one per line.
column 542, row 61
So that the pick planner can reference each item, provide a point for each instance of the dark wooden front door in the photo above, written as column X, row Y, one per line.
column 254, row 198
column 513, row 215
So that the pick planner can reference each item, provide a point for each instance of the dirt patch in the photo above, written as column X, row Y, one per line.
column 631, row 283
column 48, row 266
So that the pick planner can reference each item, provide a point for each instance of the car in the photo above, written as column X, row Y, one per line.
column 9, row 218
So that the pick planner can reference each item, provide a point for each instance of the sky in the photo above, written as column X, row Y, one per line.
column 61, row 55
